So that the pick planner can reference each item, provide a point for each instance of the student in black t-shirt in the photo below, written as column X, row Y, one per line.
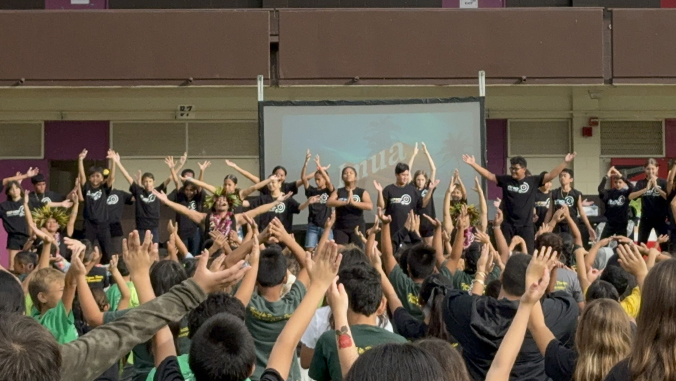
column 13, row 215
column 319, row 212
column 616, row 200
column 116, row 202
column 653, row 346
column 95, row 191
column 147, row 204
column 399, row 198
column 422, row 181
column 350, row 203
column 653, row 193
column 518, row 192
column 42, row 196
column 543, row 202
column 571, row 197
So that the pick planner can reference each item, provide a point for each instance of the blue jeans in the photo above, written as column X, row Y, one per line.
column 313, row 234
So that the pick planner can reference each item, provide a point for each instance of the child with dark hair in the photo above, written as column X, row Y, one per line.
column 366, row 302
column 268, row 311
column 223, row 348
column 12, row 214
column 571, row 198
column 147, row 204
column 95, row 190
column 601, row 289
column 398, row 199
column 24, row 263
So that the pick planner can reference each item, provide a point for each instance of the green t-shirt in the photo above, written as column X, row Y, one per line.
column 463, row 281
column 60, row 324
column 407, row 291
column 325, row 363
column 183, row 364
column 114, row 296
column 143, row 360
column 266, row 320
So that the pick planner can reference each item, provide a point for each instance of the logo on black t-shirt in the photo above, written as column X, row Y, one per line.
column 95, row 195
column 149, row 199
column 619, row 202
column 523, row 188
column 192, row 205
column 17, row 213
column 323, row 198
column 544, row 204
column 424, row 192
column 403, row 200
column 112, row 199
column 355, row 198
column 46, row 200
column 653, row 192
column 568, row 200
column 279, row 209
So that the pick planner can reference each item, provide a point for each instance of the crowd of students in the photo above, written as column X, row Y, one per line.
column 232, row 295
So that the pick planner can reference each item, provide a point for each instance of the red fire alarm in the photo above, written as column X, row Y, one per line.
column 593, row 122
column 587, row 132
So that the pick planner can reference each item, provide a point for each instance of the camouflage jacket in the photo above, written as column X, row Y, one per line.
column 89, row 356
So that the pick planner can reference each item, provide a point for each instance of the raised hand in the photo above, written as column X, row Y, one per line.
column 331, row 220
column 537, row 274
column 433, row 221
column 68, row 203
column 110, row 154
column 415, row 149
column 212, row 281
column 77, row 268
column 169, row 161
column 323, row 268
column 82, row 155
column 32, row 171
column 205, row 165
column 663, row 238
column 375, row 257
column 483, row 262
column 497, row 202
column 424, row 147
column 631, row 260
column 384, row 218
column 284, row 197
column 337, row 298
column 379, row 187
column 433, row 184
column 136, row 254
column 230, row 164
column 477, row 184
column 183, row 159
column 172, row 227
column 319, row 164
column 499, row 218
column 160, row 195
column 375, row 229
column 76, row 247
column 570, row 157
column 313, row 199
column 469, row 159
column 484, row 238
column 219, row 238
column 113, row 262
column 308, row 156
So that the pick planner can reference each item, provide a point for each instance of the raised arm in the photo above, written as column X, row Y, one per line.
column 195, row 216
column 80, row 167
column 200, row 184
column 321, row 170
column 431, row 187
column 111, row 165
column 537, row 279
column 263, row 208
column 433, row 168
column 583, row 217
column 488, row 175
column 27, row 209
column 500, row 240
column 456, row 252
column 169, row 161
column 248, row 284
column 483, row 206
column 305, row 181
column 20, row 177
column 413, row 155
column 126, row 175
column 554, row 173
column 125, row 292
column 539, row 330
column 90, row 310
column 448, row 221
column 244, row 193
column 386, row 241
column 379, row 189
column 70, row 227
column 308, row 202
column 333, row 201
column 322, row 272
column 243, row 172
column 458, row 180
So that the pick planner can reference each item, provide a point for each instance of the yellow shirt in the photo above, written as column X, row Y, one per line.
column 632, row 303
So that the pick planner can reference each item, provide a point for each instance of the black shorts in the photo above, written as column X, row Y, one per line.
column 16, row 241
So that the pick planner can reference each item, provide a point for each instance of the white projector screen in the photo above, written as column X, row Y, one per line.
column 373, row 136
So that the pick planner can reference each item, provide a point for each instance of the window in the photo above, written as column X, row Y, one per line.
column 540, row 138
column 226, row 138
column 632, row 138
column 21, row 140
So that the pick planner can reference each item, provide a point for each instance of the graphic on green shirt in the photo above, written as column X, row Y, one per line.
column 407, row 291
column 266, row 320
column 463, row 281
column 114, row 296
column 60, row 324
column 325, row 363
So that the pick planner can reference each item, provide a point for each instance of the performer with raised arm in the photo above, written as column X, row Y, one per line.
column 350, row 203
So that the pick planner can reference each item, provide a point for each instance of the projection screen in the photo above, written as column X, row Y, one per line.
column 373, row 136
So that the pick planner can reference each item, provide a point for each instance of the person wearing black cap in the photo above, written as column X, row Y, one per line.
column 41, row 196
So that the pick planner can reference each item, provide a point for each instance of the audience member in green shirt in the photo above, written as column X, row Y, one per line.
column 52, row 294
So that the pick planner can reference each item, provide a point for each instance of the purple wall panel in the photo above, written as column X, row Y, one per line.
column 482, row 3
column 65, row 140
column 670, row 137
column 9, row 168
column 496, row 146
column 67, row 4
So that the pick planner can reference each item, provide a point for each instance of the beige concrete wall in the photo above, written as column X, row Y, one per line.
column 239, row 103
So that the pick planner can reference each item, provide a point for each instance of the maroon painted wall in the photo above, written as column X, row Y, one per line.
column 92, row 135
column 496, row 146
